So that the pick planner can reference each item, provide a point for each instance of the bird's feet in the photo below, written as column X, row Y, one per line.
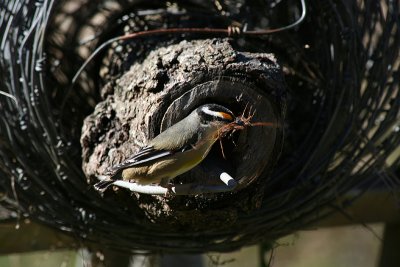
column 166, row 184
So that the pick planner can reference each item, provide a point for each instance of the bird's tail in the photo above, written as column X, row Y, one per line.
column 107, row 180
column 102, row 186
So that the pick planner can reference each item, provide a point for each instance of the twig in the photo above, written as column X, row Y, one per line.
column 183, row 189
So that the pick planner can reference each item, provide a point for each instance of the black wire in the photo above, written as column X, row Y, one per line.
column 343, row 144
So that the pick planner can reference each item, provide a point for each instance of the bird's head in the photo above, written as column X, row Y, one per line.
column 215, row 114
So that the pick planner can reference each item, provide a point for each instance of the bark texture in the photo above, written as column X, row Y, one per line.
column 166, row 86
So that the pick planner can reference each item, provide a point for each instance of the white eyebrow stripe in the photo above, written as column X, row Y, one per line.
column 212, row 113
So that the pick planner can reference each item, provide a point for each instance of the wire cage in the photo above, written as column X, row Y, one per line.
column 341, row 130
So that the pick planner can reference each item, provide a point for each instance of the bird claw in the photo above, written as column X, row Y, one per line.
column 166, row 184
column 169, row 192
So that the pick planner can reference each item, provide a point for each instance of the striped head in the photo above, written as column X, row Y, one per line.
column 213, row 113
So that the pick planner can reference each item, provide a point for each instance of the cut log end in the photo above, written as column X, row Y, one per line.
column 167, row 86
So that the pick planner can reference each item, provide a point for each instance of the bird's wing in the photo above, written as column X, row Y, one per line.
column 178, row 141
column 145, row 155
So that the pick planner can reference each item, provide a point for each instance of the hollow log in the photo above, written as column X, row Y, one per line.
column 165, row 87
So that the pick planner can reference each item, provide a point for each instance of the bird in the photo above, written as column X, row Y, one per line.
column 174, row 151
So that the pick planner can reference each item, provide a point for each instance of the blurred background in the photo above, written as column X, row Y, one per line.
column 352, row 246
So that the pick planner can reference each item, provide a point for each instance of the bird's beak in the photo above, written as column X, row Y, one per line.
column 238, row 121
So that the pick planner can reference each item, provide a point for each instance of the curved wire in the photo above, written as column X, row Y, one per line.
column 284, row 28
column 10, row 96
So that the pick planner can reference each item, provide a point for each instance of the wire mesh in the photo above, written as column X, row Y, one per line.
column 342, row 69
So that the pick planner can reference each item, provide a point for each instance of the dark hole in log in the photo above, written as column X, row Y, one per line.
column 259, row 142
